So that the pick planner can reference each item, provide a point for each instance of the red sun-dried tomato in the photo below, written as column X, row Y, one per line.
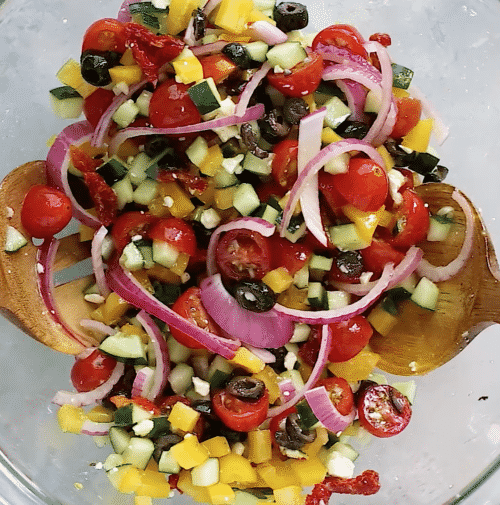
column 104, row 198
column 191, row 182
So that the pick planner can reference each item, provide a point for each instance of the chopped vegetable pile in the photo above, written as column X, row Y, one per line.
column 249, row 196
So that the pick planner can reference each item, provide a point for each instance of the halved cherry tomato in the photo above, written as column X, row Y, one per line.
column 189, row 306
column 377, row 254
column 364, row 185
column 303, row 79
column 412, row 219
column 292, row 256
column 409, row 111
column 176, row 232
column 381, row 38
column 343, row 36
column 243, row 254
column 90, row 372
column 45, row 211
column 348, row 338
column 217, row 66
column 240, row 415
column 383, row 410
column 171, row 106
column 284, row 164
column 340, row 393
column 96, row 103
column 267, row 190
column 165, row 403
column 308, row 351
column 129, row 225
column 105, row 35
column 326, row 185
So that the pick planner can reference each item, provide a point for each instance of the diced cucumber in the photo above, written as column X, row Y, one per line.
column 245, row 199
column 337, row 299
column 164, row 254
column 439, row 228
column 316, row 295
column 346, row 237
column 225, row 179
column 296, row 229
column 337, row 464
column 138, row 452
column 373, row 100
column 146, row 192
column 138, row 167
column 321, row 263
column 338, row 165
column 168, row 464
column 126, row 113
column 325, row 91
column 119, row 438
column 112, row 171
column 219, row 372
column 286, row 55
column 178, row 353
column 142, row 102
column 263, row 5
column 346, row 450
column 124, row 192
column 125, row 347
column 257, row 165
column 113, row 461
column 268, row 213
column 301, row 333
column 257, row 50
column 233, row 165
column 426, row 294
column 131, row 257
column 197, row 151
column 407, row 388
column 147, row 254
column 407, row 285
column 14, row 240
column 336, row 112
column 161, row 426
column 206, row 474
column 140, row 414
column 244, row 498
column 306, row 415
column 123, row 416
column 210, row 219
column 205, row 96
column 181, row 378
column 301, row 277
column 401, row 76
column 66, row 102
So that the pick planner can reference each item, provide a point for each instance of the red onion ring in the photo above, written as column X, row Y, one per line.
column 251, row 86
column 189, row 38
column 262, row 354
column 355, row 94
column 97, row 263
column 143, row 382
column 267, row 32
column 95, row 429
column 265, row 329
column 443, row 273
column 90, row 397
column 287, row 389
column 214, row 47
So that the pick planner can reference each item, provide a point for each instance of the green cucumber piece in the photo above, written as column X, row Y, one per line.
column 119, row 438
column 181, row 378
column 426, row 294
column 257, row 165
column 337, row 299
column 66, row 102
column 124, row 347
column 197, row 151
column 161, row 426
column 407, row 388
column 346, row 237
column 257, row 50
column 205, row 96
column 131, row 258
column 178, row 353
column 138, row 167
column 316, row 295
column 138, row 452
column 336, row 112
column 126, row 113
column 168, row 464
column 124, row 192
column 401, row 76
column 112, row 171
column 346, row 450
column 123, row 416
column 164, row 254
column 245, row 199
column 286, row 55
column 146, row 192
column 439, row 228
column 14, row 240
column 306, row 415
column 322, row 263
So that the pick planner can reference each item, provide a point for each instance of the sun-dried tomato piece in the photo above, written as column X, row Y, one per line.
column 193, row 183
column 104, row 198
column 82, row 161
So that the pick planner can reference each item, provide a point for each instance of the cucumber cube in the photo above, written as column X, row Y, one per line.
column 286, row 55
column 205, row 96
column 336, row 112
column 245, row 199
column 347, row 237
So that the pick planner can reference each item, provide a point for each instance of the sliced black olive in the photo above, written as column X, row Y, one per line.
column 156, row 144
column 295, row 430
column 199, row 24
column 80, row 191
column 350, row 263
column 294, row 109
column 438, row 174
column 291, row 16
column 202, row 234
column 95, row 67
column 273, row 127
column 202, row 406
column 399, row 155
column 254, row 295
column 352, row 129
column 280, row 353
column 238, row 55
column 249, row 138
column 284, row 440
column 246, row 388
column 164, row 443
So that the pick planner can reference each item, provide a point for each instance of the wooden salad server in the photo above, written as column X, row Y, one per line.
column 20, row 299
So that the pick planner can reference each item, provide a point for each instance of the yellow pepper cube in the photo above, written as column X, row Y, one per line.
column 114, row 309
column 418, row 137
column 233, row 15
column 153, row 484
column 328, row 136
column 100, row 414
column 143, row 500
column 278, row 279
column 125, row 479
column 381, row 320
column 311, row 102
column 294, row 298
column 277, row 474
column 259, row 446
column 309, row 471
column 220, row 494
column 189, row 453
column 188, row 70
column 388, row 159
column 290, row 495
column 247, row 360
column 217, row 447
column 400, row 93
column 212, row 163
column 357, row 368
column 314, row 447
column 223, row 197
column 177, row 201
column 257, row 15
column 236, row 468
column 181, row 264
column 71, row 418
column 163, row 274
column 86, row 233
column 270, row 378
column 179, row 14
column 70, row 74
column 183, row 417
column 129, row 74
column 366, row 222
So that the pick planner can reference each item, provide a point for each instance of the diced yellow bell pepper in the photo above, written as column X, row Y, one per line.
column 142, row 277
column 100, row 414
column 277, row 474
column 418, row 137
column 314, row 447
column 309, row 471
column 260, row 447
column 132, row 329
column 366, row 222
column 257, row 15
column 179, row 14
column 188, row 70
column 179, row 202
column 86, row 233
column 400, row 93
column 232, row 37
column 183, row 417
column 127, row 149
column 71, row 418
column 125, row 479
column 70, row 74
column 185, row 484
column 189, row 453
column 217, row 447
column 309, row 99
column 127, row 57
column 129, row 74
column 278, row 279
column 153, row 484
column 223, row 197
column 233, row 15
column 294, row 298
column 236, row 468
column 388, row 160
column 220, row 494
column 212, row 163
column 247, row 360
column 328, row 136
column 270, row 378
column 357, row 368
column 143, row 500
column 381, row 320
column 290, row 495
column 113, row 309
column 163, row 274
column 181, row 264
column 207, row 197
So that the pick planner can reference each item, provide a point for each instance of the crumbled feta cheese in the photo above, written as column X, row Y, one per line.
column 230, row 165
column 294, row 454
column 201, row 387
column 210, row 219
column 238, row 448
column 94, row 298
column 301, row 333
column 10, row 212
column 185, row 277
column 412, row 366
column 278, row 70
column 447, row 211
column 168, row 201
column 39, row 268
column 396, row 180
column 340, row 466
column 98, row 466
column 160, row 4
column 136, row 238
column 365, row 277
column 121, row 87
column 142, row 428
column 290, row 360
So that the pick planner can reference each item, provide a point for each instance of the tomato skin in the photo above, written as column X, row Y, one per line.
column 176, row 232
column 382, row 38
column 190, row 307
column 303, row 79
column 409, row 112
column 90, row 372
column 349, row 338
column 326, row 185
column 171, row 106
column 128, row 225
column 95, row 105
column 217, row 66
column 340, row 393
column 45, row 211
column 393, row 407
column 105, row 35
column 289, row 255
column 377, row 254
column 284, row 164
column 243, row 254
column 240, row 415
column 343, row 36
column 309, row 350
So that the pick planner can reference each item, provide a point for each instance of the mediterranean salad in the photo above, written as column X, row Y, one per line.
column 247, row 194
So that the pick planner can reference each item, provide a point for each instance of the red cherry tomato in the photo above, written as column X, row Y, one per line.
column 105, row 35
column 377, row 254
column 217, row 66
column 409, row 111
column 45, row 211
column 104, row 198
column 96, row 103
column 129, row 225
column 243, row 254
column 189, row 306
column 240, row 415
column 284, row 164
column 308, row 351
column 165, row 403
column 340, row 393
column 326, row 185
column 364, row 185
column 267, row 190
column 383, row 410
column 289, row 255
column 171, row 106
column 348, row 338
column 412, row 219
column 343, row 36
column 303, row 79
column 90, row 372
column 177, row 233
column 381, row 38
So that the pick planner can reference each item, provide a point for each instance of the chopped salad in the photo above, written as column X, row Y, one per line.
column 248, row 193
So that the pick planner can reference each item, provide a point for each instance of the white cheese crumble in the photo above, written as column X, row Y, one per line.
column 340, row 466
column 121, row 87
column 142, row 428
column 365, row 277
column 10, row 212
column 201, row 387
column 94, row 298
column 168, row 201
column 290, row 360
column 39, row 268
column 396, row 180
column 230, row 165
column 210, row 219
column 238, row 448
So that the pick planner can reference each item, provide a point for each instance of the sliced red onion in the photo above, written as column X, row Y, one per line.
column 95, row 429
column 355, row 94
column 256, row 224
column 214, row 47
column 104, row 123
column 313, row 166
column 210, row 6
column 321, row 404
column 57, row 163
column 125, row 286
column 264, row 329
column 97, row 326
column 267, row 32
column 189, row 36
column 324, row 349
column 97, row 263
column 443, row 273
column 287, row 389
column 252, row 113
column 310, row 129
column 251, row 86
column 90, row 397
column 344, row 313
column 162, row 369
column 143, row 382
column 262, row 354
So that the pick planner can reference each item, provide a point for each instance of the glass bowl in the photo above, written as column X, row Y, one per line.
column 450, row 453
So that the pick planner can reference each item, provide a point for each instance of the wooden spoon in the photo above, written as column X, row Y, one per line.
column 20, row 299
column 423, row 340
